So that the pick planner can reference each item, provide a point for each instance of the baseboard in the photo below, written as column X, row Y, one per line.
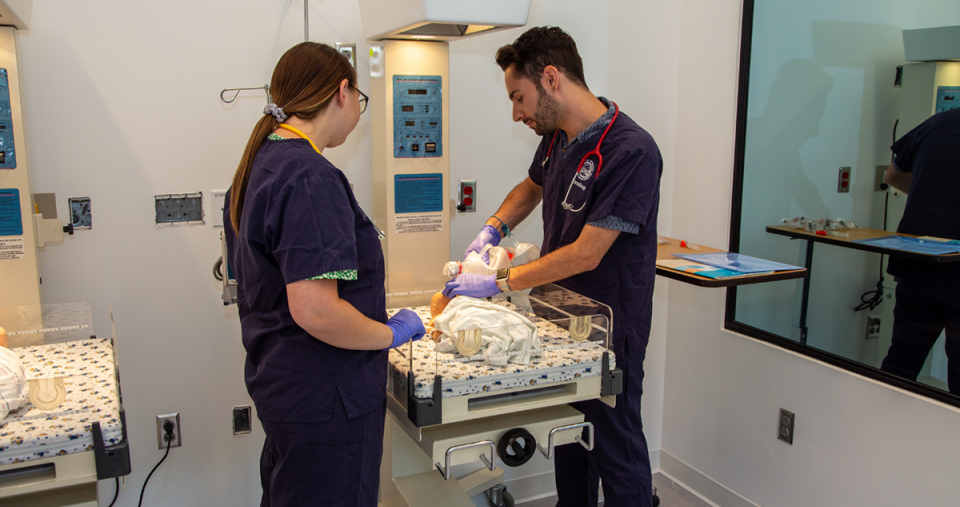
column 699, row 484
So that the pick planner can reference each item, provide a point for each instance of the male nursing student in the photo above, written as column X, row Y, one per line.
column 926, row 166
column 599, row 239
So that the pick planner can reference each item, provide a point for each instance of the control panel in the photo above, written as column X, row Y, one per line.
column 417, row 116
column 8, row 158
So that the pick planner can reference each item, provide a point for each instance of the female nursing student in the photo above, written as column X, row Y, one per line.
column 310, row 272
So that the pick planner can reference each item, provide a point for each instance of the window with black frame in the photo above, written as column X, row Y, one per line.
column 848, row 162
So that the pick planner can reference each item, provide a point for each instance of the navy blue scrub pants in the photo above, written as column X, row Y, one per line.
column 619, row 454
column 333, row 463
column 926, row 305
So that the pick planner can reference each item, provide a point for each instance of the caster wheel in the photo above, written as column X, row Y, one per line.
column 656, row 501
column 506, row 499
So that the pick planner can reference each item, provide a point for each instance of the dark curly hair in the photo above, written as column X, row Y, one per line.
column 539, row 47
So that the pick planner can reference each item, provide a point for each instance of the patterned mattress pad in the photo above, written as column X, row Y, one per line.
column 561, row 359
column 88, row 372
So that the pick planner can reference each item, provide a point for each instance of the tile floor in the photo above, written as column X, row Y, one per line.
column 671, row 495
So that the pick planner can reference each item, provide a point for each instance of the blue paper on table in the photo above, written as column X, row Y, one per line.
column 924, row 246
column 737, row 262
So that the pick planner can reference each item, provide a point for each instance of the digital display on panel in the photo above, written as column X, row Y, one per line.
column 406, row 109
column 413, row 91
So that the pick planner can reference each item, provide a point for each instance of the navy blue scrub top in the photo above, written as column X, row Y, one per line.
column 628, row 188
column 931, row 153
column 300, row 220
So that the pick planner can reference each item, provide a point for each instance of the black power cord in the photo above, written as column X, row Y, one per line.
column 117, row 493
column 168, row 436
column 872, row 299
column 217, row 271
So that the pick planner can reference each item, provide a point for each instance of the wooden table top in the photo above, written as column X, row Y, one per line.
column 861, row 234
column 667, row 251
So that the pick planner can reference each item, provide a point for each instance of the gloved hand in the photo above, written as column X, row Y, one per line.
column 473, row 285
column 488, row 236
column 406, row 326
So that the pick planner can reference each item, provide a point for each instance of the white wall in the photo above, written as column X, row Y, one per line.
column 121, row 103
column 857, row 442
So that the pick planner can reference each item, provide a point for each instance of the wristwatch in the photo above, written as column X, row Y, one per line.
column 503, row 276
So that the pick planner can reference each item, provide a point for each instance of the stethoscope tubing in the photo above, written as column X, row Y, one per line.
column 595, row 152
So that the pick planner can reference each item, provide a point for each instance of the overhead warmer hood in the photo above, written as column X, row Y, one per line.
column 441, row 20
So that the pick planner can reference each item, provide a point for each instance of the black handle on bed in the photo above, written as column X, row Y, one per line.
column 112, row 461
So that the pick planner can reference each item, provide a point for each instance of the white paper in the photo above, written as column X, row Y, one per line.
column 427, row 222
column 12, row 248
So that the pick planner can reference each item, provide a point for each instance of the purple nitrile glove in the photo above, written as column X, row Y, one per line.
column 488, row 236
column 473, row 285
column 406, row 326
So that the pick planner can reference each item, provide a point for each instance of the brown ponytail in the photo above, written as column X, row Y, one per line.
column 306, row 78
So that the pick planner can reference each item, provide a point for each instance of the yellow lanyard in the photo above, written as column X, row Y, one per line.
column 301, row 134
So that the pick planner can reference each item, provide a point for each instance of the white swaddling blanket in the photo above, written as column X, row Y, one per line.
column 13, row 382
column 502, row 331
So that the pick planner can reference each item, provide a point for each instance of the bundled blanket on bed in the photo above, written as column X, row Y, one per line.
column 506, row 335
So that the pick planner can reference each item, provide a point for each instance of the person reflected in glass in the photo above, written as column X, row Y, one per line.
column 926, row 166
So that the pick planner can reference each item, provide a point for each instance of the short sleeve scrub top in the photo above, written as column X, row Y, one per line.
column 301, row 221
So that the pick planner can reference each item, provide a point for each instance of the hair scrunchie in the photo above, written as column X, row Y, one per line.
column 277, row 112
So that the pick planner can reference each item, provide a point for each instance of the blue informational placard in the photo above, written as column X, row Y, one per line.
column 737, row 262
column 417, row 116
column 915, row 245
column 948, row 97
column 8, row 157
column 10, row 218
column 417, row 193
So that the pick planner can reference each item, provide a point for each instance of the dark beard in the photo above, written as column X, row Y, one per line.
column 547, row 116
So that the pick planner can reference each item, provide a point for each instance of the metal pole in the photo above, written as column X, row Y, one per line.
column 806, row 293
column 306, row 20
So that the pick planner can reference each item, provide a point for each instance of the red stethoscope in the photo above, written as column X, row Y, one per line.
column 587, row 167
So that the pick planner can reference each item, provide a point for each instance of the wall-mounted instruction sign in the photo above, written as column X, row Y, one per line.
column 428, row 222
column 12, row 248
column 10, row 218
column 417, row 193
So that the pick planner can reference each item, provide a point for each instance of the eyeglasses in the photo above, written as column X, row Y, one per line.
column 363, row 99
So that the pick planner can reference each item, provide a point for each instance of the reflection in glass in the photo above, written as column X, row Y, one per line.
column 822, row 96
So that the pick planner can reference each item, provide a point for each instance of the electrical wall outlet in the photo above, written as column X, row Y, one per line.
column 467, row 197
column 786, row 426
column 878, row 184
column 843, row 181
column 175, row 419
column 873, row 327
column 242, row 424
column 349, row 50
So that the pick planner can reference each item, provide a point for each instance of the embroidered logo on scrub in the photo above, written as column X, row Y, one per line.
column 586, row 171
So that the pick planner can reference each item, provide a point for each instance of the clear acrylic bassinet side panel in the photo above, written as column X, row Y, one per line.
column 52, row 360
